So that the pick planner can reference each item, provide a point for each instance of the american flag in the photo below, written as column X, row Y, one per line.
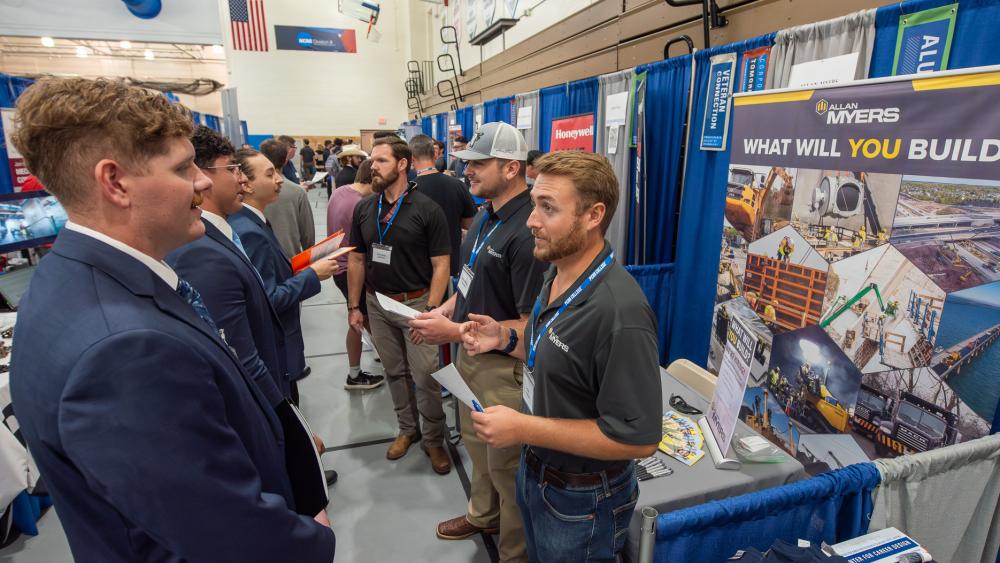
column 246, row 22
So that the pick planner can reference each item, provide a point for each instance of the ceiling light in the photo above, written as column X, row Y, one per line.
column 48, row 42
column 149, row 55
column 218, row 49
column 125, row 44
column 82, row 52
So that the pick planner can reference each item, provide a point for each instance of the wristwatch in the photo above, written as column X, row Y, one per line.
column 512, row 343
column 352, row 308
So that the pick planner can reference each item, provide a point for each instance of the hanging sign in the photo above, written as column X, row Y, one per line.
column 718, row 98
column 616, row 109
column 753, row 73
column 823, row 73
column 575, row 133
column 295, row 38
column 924, row 40
column 18, row 171
column 524, row 117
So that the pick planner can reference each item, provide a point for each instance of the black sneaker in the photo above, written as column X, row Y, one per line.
column 364, row 380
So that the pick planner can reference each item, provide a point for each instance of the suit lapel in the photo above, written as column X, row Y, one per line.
column 142, row 282
column 286, row 269
column 218, row 236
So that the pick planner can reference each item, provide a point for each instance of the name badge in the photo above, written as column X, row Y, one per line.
column 465, row 281
column 381, row 253
column 528, row 389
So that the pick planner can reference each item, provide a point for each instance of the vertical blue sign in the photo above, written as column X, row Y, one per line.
column 753, row 74
column 924, row 41
column 718, row 98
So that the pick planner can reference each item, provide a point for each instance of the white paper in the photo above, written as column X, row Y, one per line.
column 393, row 306
column 613, row 139
column 824, row 72
column 319, row 176
column 450, row 379
column 731, row 385
column 616, row 109
column 524, row 117
column 7, row 116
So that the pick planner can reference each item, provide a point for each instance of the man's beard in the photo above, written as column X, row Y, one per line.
column 566, row 246
column 379, row 184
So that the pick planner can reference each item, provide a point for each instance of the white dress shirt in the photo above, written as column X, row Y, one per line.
column 159, row 267
column 219, row 223
column 256, row 212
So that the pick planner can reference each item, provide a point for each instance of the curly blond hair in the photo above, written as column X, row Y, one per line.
column 65, row 126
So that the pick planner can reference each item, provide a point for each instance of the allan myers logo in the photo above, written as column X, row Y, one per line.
column 848, row 113
column 558, row 343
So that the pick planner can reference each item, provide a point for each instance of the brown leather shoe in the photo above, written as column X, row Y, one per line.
column 439, row 460
column 399, row 448
column 460, row 528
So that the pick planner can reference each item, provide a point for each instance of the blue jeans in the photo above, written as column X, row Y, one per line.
column 576, row 524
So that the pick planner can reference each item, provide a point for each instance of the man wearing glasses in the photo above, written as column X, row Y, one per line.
column 217, row 266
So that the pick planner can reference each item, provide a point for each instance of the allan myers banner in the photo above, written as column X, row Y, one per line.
column 943, row 126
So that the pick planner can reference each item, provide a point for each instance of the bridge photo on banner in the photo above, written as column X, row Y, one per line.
column 860, row 245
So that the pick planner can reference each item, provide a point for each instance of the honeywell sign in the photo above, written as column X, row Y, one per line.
column 575, row 133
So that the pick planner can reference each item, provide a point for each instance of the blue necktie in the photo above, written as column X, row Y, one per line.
column 239, row 245
column 191, row 295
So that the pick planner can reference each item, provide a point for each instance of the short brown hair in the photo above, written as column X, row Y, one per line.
column 400, row 149
column 592, row 176
column 364, row 175
column 65, row 126
column 275, row 151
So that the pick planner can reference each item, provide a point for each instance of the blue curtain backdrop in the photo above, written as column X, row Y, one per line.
column 655, row 282
column 425, row 125
column 666, row 101
column 465, row 118
column 699, row 230
column 582, row 96
column 553, row 102
column 832, row 507
column 975, row 42
column 213, row 122
column 442, row 131
column 499, row 109
column 10, row 88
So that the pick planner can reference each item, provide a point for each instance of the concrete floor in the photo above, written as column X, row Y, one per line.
column 380, row 510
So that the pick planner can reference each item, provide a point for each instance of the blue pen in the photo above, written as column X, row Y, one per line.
column 475, row 405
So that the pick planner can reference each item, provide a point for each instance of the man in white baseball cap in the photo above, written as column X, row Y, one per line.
column 500, row 278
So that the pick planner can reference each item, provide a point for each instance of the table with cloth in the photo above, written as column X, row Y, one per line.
column 702, row 482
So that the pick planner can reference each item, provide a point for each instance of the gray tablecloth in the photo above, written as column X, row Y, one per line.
column 702, row 482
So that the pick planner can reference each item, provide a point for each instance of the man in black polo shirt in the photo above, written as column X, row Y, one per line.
column 448, row 192
column 500, row 278
column 591, row 382
column 403, row 252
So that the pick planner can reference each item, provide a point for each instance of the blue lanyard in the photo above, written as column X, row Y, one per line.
column 534, row 340
column 378, row 217
column 476, row 246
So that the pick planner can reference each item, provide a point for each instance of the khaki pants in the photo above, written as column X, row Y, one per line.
column 496, row 380
column 408, row 367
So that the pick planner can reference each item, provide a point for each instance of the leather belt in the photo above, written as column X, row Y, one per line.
column 562, row 479
column 405, row 296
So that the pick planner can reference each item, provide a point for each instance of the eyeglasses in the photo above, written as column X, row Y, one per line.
column 233, row 169
column 680, row 405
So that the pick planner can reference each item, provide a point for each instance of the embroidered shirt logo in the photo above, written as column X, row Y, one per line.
column 558, row 343
column 493, row 253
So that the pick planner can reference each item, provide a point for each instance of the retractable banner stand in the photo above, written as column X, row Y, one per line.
column 18, row 171
column 860, row 248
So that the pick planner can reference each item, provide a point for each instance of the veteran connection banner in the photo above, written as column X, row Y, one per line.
column 861, row 249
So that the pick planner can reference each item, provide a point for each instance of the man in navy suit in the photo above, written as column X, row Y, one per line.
column 285, row 289
column 219, row 269
column 154, row 442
